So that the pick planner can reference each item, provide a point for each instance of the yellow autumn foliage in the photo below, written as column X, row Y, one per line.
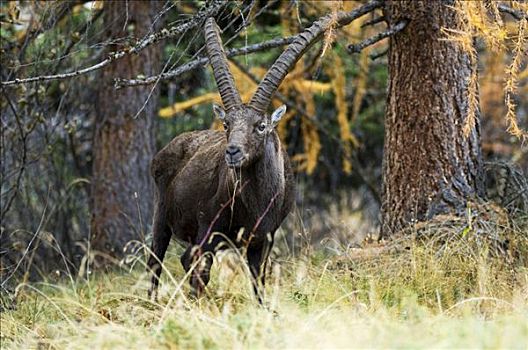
column 336, row 73
column 482, row 19
column 512, row 74
column 306, row 161
column 312, row 86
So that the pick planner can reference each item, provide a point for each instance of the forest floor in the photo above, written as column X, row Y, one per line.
column 459, row 290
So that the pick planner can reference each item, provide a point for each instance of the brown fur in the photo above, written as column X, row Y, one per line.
column 194, row 183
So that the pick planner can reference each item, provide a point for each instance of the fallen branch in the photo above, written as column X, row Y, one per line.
column 343, row 18
column 151, row 39
column 518, row 15
column 356, row 48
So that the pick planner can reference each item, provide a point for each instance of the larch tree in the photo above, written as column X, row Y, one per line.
column 432, row 160
column 124, row 136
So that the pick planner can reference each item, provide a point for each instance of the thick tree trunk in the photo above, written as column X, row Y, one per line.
column 123, row 145
column 429, row 167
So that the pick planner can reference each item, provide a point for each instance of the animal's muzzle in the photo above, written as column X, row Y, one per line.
column 234, row 156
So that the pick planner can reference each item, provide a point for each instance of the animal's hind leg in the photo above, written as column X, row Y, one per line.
column 160, row 241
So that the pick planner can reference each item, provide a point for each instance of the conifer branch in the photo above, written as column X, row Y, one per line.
column 202, row 61
column 356, row 48
column 518, row 15
column 377, row 55
column 149, row 40
column 373, row 21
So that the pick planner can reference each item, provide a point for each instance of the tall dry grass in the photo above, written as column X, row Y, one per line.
column 450, row 283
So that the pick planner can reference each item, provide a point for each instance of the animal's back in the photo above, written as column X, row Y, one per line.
column 171, row 159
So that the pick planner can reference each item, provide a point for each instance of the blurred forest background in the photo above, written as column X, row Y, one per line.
column 334, row 129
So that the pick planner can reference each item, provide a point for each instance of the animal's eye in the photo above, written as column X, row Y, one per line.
column 261, row 127
column 226, row 126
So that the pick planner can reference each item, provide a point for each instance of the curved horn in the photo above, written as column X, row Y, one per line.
column 217, row 58
column 291, row 55
column 282, row 66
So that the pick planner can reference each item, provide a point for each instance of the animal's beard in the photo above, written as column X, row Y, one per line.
column 237, row 175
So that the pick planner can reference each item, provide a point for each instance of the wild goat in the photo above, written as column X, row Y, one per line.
column 233, row 187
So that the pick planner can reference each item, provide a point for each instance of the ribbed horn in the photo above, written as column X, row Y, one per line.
column 282, row 66
column 217, row 58
column 294, row 51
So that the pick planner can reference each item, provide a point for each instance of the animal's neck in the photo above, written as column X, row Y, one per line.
column 266, row 180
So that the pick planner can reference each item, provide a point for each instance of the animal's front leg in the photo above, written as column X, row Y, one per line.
column 257, row 257
column 199, row 258
column 200, row 275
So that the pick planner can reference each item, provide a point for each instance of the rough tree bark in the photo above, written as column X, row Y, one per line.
column 123, row 146
column 429, row 167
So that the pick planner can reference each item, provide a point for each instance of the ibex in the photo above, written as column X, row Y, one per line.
column 238, row 182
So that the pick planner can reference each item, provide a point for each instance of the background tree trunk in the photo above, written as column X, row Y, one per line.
column 122, row 193
column 429, row 166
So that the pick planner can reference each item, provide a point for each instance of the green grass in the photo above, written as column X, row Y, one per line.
column 412, row 294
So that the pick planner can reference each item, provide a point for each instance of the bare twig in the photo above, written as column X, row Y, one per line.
column 219, row 212
column 518, row 15
column 373, row 21
column 95, row 67
column 23, row 140
column 356, row 48
column 72, row 43
column 344, row 18
column 176, row 31
column 49, row 17
column 377, row 55
column 151, row 39
column 26, row 251
column 261, row 217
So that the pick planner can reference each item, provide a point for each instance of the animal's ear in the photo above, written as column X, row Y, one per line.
column 277, row 115
column 218, row 111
